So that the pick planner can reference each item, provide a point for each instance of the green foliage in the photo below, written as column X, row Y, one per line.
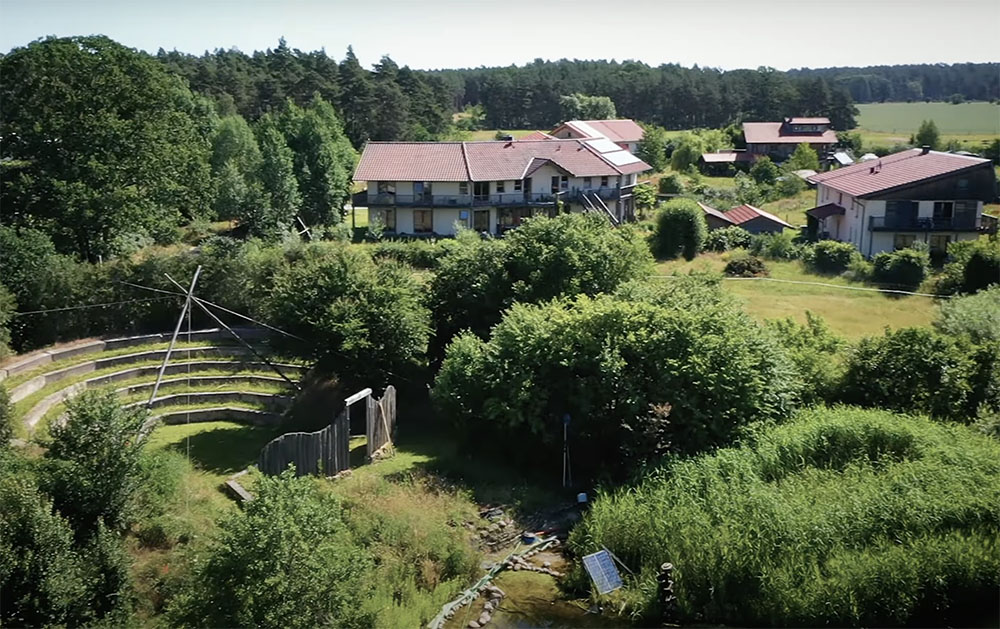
column 850, row 140
column 644, row 195
column 726, row 238
column 804, row 158
column 688, row 148
column 93, row 461
column 962, row 274
column 789, row 186
column 6, row 419
column 638, row 378
column 418, row 253
column 776, row 246
column 41, row 574
column 743, row 264
column 583, row 107
column 749, row 191
column 816, row 353
column 287, row 559
column 652, row 147
column 671, row 184
column 764, row 171
column 276, row 215
column 113, row 144
column 841, row 517
column 927, row 135
column 830, row 256
column 354, row 312
column 8, row 306
column 541, row 259
column 976, row 317
column 905, row 269
column 680, row 229
column 914, row 370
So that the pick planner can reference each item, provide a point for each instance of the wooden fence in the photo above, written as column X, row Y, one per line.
column 322, row 452
column 381, row 420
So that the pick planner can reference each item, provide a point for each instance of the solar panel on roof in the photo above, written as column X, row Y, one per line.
column 601, row 568
column 620, row 158
column 603, row 145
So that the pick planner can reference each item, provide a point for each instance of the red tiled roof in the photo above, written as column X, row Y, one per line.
column 818, row 120
column 894, row 171
column 827, row 209
column 481, row 161
column 412, row 161
column 536, row 135
column 772, row 133
column 743, row 213
column 714, row 212
column 623, row 130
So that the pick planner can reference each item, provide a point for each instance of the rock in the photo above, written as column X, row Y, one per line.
column 546, row 564
column 499, row 592
column 517, row 567
column 484, row 619
column 489, row 607
column 502, row 524
column 473, row 625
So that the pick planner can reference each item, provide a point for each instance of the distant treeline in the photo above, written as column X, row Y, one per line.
column 390, row 102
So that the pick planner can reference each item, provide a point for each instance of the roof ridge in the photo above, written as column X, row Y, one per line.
column 468, row 166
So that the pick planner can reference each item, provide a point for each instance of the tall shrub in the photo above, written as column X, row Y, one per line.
column 905, row 269
column 830, row 256
column 680, row 229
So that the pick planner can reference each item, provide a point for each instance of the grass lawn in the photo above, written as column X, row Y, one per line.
column 490, row 134
column 217, row 448
column 978, row 119
column 712, row 182
column 792, row 210
column 850, row 313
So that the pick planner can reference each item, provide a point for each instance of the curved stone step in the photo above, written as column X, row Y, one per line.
column 35, row 414
column 39, row 382
column 205, row 381
column 41, row 357
column 221, row 413
column 273, row 400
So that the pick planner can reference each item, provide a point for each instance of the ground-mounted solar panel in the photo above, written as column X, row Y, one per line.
column 601, row 568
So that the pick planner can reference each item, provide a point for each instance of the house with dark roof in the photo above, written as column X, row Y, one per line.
column 779, row 139
column 893, row 201
column 746, row 216
column 425, row 188
column 625, row 133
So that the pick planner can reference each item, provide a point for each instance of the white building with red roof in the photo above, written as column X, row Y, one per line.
column 893, row 201
column 427, row 188
column 779, row 139
column 624, row 132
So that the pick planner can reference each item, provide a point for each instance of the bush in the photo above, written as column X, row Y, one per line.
column 830, row 256
column 287, row 559
column 92, row 469
column 359, row 317
column 983, row 266
column 8, row 306
column 957, row 277
column 789, row 186
column 976, row 317
column 541, row 259
column 742, row 264
column 912, row 370
column 680, row 229
column 816, row 353
column 764, row 171
column 418, row 253
column 671, row 184
column 638, row 379
column 775, row 246
column 904, row 269
column 727, row 238
column 6, row 419
column 841, row 517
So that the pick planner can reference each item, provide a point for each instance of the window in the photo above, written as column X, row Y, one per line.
column 943, row 210
column 463, row 217
column 386, row 217
column 840, row 198
column 517, row 186
column 501, row 187
column 423, row 221
column 604, row 181
column 902, row 241
column 463, row 188
column 587, row 182
column 481, row 220
column 423, row 191
column 940, row 242
column 386, row 187
column 564, row 183
column 555, row 184
column 481, row 190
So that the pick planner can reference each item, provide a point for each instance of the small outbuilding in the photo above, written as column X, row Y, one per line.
column 750, row 218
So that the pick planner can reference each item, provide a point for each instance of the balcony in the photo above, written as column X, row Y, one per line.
column 458, row 200
column 924, row 223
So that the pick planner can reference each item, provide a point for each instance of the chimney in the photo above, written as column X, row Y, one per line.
column 925, row 149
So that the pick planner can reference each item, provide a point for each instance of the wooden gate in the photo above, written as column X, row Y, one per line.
column 322, row 452
column 381, row 421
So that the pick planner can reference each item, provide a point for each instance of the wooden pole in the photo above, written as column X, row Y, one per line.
column 173, row 339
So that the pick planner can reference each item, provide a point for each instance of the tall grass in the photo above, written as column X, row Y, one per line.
column 841, row 517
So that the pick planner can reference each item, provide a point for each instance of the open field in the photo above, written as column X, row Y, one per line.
column 977, row 119
column 850, row 313
column 490, row 134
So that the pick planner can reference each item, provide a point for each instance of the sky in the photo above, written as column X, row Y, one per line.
column 430, row 34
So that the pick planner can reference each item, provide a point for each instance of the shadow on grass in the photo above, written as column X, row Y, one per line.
column 225, row 450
